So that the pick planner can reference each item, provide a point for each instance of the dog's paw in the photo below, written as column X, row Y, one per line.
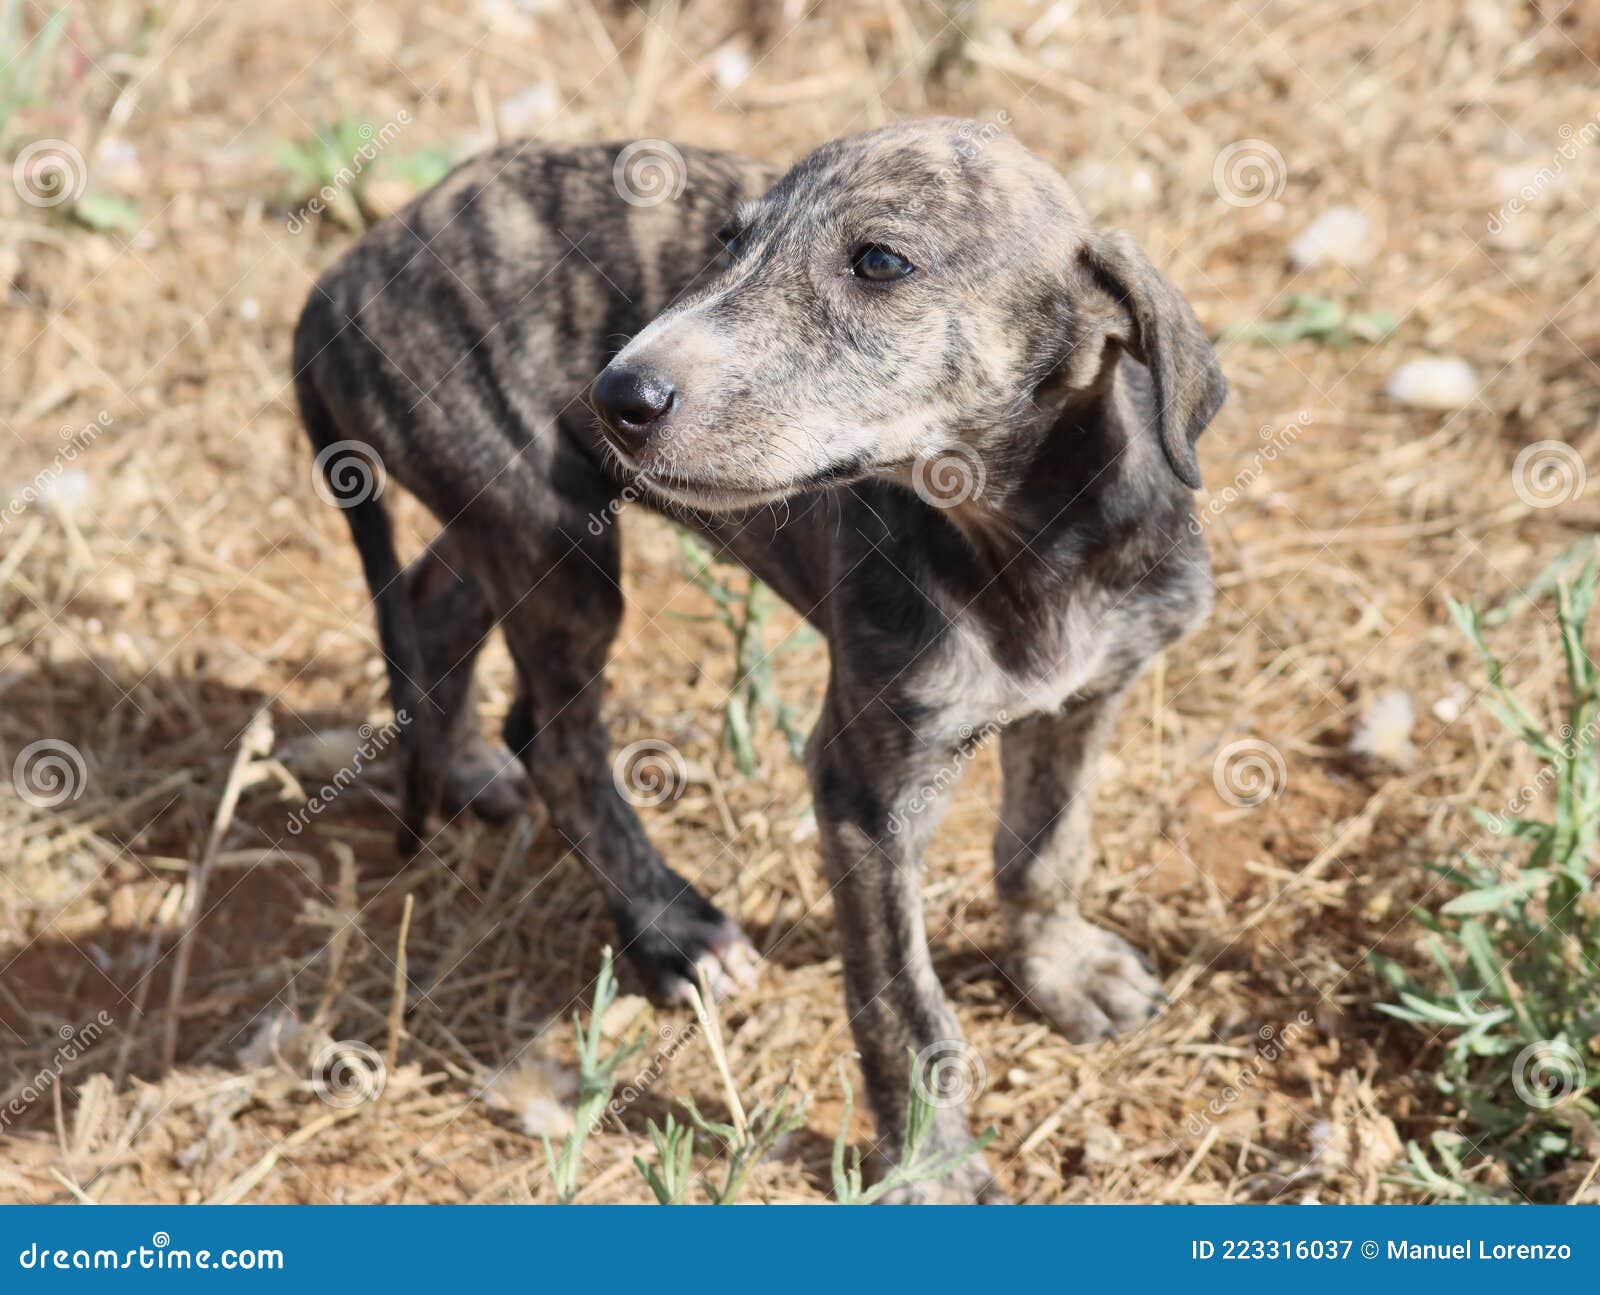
column 1086, row 981
column 674, row 943
column 487, row 779
column 971, row 1184
column 728, row 961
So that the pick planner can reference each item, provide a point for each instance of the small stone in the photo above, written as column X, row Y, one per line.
column 730, row 65
column 805, row 828
column 116, row 585
column 1102, row 1145
column 1384, row 732
column 528, row 111
column 1339, row 236
column 539, row 1093
column 323, row 756
column 386, row 194
column 65, row 493
column 1447, row 710
column 1435, row 383
column 622, row 1014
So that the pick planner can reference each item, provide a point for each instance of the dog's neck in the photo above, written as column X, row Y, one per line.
column 1086, row 480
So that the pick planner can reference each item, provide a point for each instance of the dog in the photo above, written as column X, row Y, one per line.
column 975, row 417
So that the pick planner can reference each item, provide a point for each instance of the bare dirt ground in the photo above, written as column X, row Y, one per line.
column 169, row 573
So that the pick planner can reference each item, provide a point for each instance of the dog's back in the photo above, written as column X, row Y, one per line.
column 492, row 301
column 449, row 350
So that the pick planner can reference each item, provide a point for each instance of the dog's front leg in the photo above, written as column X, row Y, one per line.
column 877, row 789
column 1087, row 981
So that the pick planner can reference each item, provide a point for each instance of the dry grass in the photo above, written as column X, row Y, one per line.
column 199, row 581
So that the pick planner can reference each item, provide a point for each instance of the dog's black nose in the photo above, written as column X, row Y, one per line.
column 633, row 401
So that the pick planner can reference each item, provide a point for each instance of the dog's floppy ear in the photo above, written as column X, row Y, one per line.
column 1156, row 325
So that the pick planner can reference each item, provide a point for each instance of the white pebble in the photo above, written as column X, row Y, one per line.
column 1447, row 710
column 1100, row 185
column 1141, row 187
column 1439, row 382
column 117, row 585
column 730, row 65
column 324, row 755
column 805, row 828
column 117, row 164
column 528, row 111
column 64, row 493
column 539, row 1092
column 1340, row 236
column 1384, row 732
column 544, row 1117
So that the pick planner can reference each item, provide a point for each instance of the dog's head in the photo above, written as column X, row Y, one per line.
column 921, row 290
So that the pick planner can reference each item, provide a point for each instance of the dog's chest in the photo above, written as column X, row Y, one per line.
column 968, row 684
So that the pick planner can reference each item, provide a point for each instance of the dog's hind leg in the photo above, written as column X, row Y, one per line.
column 558, row 600
column 453, row 621
column 1088, row 982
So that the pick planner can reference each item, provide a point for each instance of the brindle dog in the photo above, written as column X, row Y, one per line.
column 979, row 413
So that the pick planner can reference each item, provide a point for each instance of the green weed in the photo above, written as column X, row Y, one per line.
column 915, row 1164
column 24, row 66
column 597, row 1077
column 1516, row 994
column 329, row 172
column 753, row 691
column 1317, row 319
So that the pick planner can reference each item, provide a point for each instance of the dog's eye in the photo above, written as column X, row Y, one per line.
column 879, row 264
column 732, row 238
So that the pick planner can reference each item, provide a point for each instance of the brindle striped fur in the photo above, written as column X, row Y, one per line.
column 458, row 340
